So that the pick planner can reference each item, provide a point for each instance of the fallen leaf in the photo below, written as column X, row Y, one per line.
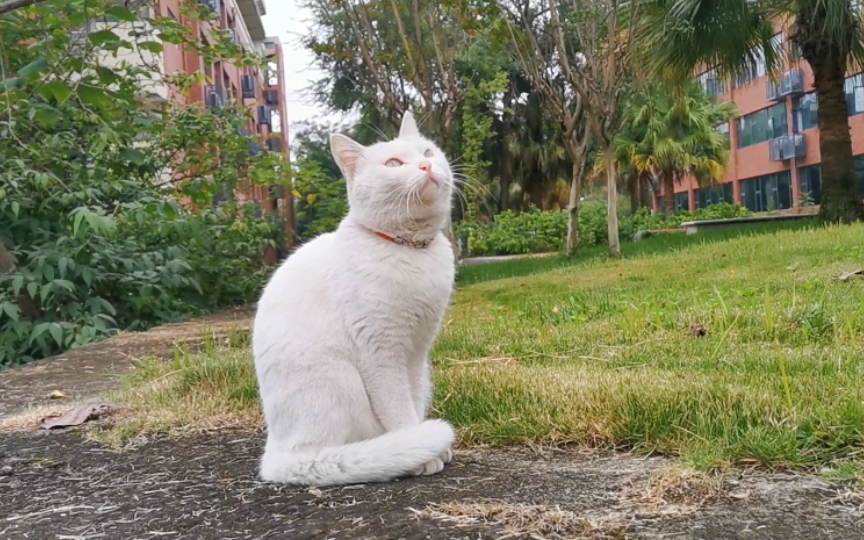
column 740, row 494
column 316, row 492
column 845, row 276
column 698, row 330
column 77, row 416
column 56, row 394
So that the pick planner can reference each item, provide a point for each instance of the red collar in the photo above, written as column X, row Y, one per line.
column 416, row 244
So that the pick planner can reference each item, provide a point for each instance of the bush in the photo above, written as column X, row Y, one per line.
column 535, row 231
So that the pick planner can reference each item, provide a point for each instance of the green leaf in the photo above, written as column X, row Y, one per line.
column 38, row 330
column 11, row 310
column 135, row 156
column 65, row 283
column 62, row 264
column 152, row 46
column 121, row 13
column 56, row 333
column 97, row 97
column 32, row 70
column 101, row 37
column 56, row 89
column 15, row 208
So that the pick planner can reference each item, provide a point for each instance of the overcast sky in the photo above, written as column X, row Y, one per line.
column 286, row 20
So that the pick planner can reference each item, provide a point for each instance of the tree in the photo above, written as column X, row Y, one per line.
column 672, row 135
column 680, row 35
column 94, row 237
column 535, row 35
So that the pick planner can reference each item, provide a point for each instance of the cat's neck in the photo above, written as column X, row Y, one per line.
column 415, row 230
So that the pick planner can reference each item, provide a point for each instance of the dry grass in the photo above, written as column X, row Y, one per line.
column 30, row 419
column 678, row 490
column 526, row 521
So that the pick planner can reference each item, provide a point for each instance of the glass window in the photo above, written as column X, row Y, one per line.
column 760, row 126
column 712, row 83
column 682, row 201
column 811, row 184
column 859, row 173
column 855, row 94
column 707, row 196
column 806, row 112
column 795, row 52
column 767, row 193
column 724, row 130
column 754, row 65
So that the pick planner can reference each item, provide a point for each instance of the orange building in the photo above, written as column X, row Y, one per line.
column 263, row 90
column 774, row 158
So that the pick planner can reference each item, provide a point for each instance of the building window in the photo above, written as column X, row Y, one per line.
column 810, row 179
column 712, row 82
column 806, row 112
column 754, row 65
column 761, row 126
column 724, row 130
column 795, row 53
column 855, row 94
column 707, row 196
column 767, row 193
column 682, row 201
column 859, row 173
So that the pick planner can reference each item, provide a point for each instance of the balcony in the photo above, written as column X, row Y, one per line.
column 248, row 87
column 787, row 147
column 214, row 97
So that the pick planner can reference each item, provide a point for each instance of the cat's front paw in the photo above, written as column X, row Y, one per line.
column 434, row 466
column 446, row 456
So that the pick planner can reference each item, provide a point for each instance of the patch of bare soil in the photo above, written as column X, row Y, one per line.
column 58, row 486
column 90, row 370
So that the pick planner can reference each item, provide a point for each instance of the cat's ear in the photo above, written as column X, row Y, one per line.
column 409, row 126
column 347, row 154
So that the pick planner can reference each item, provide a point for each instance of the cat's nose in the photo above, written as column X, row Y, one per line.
column 426, row 165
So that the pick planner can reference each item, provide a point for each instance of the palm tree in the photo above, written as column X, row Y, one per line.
column 672, row 135
column 683, row 34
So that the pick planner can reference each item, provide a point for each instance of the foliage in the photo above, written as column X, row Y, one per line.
column 537, row 232
column 94, row 234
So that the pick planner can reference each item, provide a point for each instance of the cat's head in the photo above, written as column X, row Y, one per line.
column 403, row 184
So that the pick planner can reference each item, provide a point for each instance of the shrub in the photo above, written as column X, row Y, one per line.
column 535, row 231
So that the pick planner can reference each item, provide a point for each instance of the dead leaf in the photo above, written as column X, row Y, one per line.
column 845, row 276
column 740, row 494
column 316, row 492
column 77, row 416
column 56, row 394
column 698, row 330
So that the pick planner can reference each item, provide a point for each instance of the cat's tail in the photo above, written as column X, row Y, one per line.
column 388, row 456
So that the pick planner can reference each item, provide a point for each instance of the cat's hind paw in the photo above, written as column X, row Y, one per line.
column 434, row 466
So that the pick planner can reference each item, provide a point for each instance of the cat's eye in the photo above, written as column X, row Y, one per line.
column 393, row 163
column 428, row 153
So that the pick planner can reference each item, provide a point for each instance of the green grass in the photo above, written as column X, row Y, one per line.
column 601, row 353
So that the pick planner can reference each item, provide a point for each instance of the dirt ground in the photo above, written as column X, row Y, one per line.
column 57, row 485
column 88, row 371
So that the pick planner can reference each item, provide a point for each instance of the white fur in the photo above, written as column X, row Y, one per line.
column 344, row 328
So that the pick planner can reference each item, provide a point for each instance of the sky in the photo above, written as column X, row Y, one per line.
column 286, row 20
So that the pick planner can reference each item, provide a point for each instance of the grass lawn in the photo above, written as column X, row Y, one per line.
column 611, row 353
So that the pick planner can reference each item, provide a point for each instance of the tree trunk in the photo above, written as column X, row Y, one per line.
column 634, row 191
column 573, row 211
column 841, row 200
column 668, row 193
column 612, row 202
column 504, row 177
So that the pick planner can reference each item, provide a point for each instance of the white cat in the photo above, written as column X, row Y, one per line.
column 344, row 328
